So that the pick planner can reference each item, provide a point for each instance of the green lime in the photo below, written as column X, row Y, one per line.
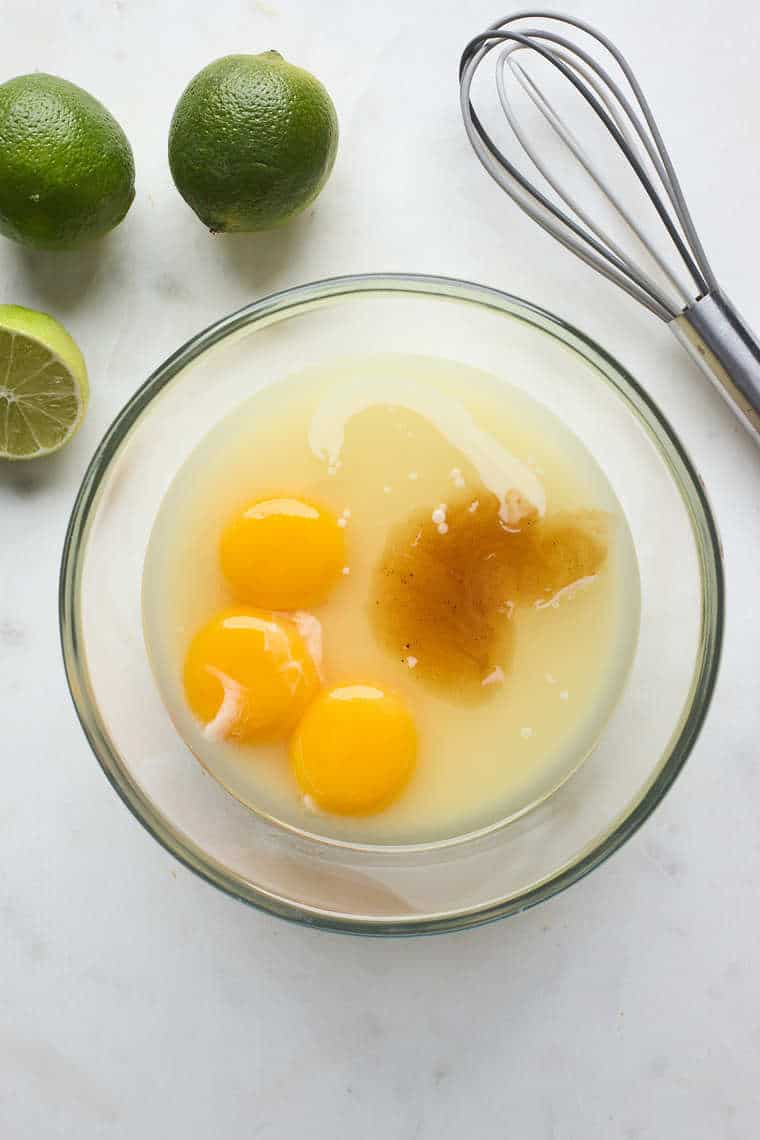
column 66, row 168
column 252, row 142
column 43, row 384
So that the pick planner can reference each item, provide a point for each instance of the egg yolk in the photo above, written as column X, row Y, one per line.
column 354, row 750
column 248, row 676
column 283, row 554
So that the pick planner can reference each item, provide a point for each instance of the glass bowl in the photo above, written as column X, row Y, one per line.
column 392, row 891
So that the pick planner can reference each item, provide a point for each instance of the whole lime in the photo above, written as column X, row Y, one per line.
column 67, row 174
column 252, row 142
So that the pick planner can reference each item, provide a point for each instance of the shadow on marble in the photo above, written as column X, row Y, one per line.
column 25, row 479
column 258, row 259
column 61, row 280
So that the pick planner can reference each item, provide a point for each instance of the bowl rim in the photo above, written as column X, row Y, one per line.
column 640, row 404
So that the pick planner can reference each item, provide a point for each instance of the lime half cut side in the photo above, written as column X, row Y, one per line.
column 43, row 384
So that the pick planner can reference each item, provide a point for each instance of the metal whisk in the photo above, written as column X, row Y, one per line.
column 687, row 297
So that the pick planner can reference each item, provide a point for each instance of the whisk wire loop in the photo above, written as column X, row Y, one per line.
column 638, row 138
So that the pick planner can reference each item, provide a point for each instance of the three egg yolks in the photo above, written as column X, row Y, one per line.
column 440, row 597
column 249, row 676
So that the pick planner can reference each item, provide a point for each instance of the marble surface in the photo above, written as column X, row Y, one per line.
column 137, row 1001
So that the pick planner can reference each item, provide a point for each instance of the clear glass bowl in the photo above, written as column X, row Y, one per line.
column 399, row 890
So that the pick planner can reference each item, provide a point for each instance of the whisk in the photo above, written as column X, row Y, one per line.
column 686, row 296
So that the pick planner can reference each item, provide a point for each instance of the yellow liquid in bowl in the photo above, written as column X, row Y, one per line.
column 405, row 449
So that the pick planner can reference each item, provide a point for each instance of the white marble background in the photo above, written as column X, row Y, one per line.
column 135, row 1001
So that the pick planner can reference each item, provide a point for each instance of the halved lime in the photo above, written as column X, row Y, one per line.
column 43, row 384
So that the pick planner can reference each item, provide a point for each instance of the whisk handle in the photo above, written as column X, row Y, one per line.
column 727, row 351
